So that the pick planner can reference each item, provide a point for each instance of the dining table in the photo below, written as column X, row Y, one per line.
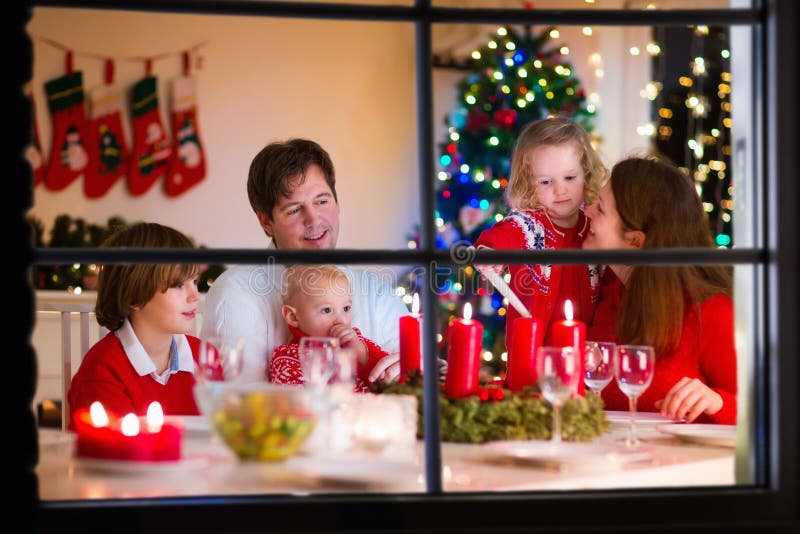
column 670, row 455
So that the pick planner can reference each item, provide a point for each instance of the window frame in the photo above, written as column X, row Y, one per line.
column 771, row 502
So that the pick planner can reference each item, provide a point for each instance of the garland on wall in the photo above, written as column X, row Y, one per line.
column 70, row 231
column 93, row 144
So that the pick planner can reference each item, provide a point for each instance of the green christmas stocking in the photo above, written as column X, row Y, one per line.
column 151, row 147
column 188, row 166
column 69, row 154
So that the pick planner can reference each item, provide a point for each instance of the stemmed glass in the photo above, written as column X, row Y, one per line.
column 317, row 357
column 220, row 359
column 634, row 372
column 599, row 358
column 558, row 369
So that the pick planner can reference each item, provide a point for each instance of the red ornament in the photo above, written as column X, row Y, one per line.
column 476, row 120
column 492, row 393
column 505, row 118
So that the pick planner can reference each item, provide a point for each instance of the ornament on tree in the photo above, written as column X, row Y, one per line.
column 505, row 118
column 33, row 152
column 476, row 120
column 69, row 153
column 188, row 166
column 470, row 218
column 448, row 235
column 151, row 146
column 107, row 136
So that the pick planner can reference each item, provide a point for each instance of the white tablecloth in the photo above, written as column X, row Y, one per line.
column 208, row 468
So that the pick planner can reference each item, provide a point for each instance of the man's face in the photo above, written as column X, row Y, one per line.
column 308, row 218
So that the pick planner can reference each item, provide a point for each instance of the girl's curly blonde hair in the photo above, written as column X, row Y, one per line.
column 557, row 130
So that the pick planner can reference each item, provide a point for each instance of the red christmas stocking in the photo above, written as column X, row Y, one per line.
column 69, row 154
column 107, row 136
column 151, row 146
column 33, row 152
column 188, row 166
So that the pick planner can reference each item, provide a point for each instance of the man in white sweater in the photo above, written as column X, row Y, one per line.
column 291, row 187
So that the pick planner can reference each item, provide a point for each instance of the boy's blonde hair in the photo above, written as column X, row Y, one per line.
column 521, row 190
column 302, row 280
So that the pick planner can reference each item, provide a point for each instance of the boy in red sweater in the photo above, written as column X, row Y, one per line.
column 147, row 355
column 317, row 302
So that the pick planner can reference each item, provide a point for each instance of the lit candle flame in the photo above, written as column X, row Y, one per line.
column 467, row 311
column 130, row 425
column 155, row 417
column 98, row 415
column 415, row 304
column 568, row 313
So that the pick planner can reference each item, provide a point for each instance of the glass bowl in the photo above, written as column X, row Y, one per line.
column 258, row 421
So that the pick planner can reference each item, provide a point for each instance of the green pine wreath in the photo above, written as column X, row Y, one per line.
column 524, row 415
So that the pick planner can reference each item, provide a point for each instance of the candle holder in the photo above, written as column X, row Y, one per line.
column 106, row 436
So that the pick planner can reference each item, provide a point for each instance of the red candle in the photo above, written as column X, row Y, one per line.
column 130, row 438
column 571, row 333
column 411, row 341
column 527, row 334
column 464, row 340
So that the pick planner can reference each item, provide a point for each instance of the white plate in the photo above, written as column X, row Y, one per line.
column 193, row 425
column 188, row 462
column 50, row 437
column 718, row 435
column 582, row 455
column 353, row 470
column 642, row 418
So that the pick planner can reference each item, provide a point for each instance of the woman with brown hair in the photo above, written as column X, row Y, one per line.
column 684, row 311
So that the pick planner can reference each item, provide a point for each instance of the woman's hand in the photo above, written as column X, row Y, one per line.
column 349, row 341
column 687, row 399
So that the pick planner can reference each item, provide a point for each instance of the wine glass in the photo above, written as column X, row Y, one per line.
column 220, row 359
column 634, row 372
column 317, row 357
column 599, row 358
column 558, row 369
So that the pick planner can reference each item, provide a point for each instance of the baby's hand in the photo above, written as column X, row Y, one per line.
column 386, row 370
column 349, row 340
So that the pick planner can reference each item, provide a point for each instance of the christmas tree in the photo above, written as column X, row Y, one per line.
column 694, row 118
column 516, row 78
